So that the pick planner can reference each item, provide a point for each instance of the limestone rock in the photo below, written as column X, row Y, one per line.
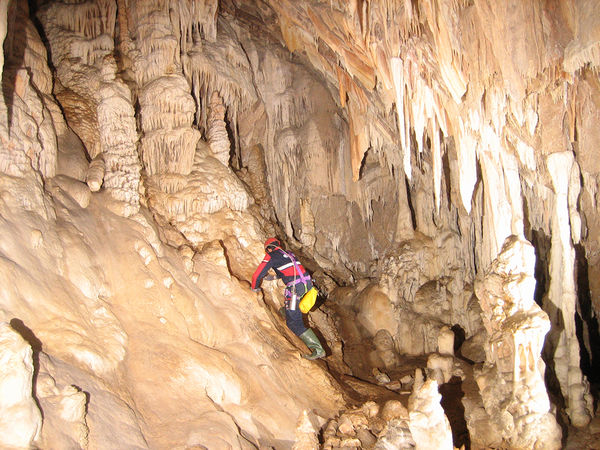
column 428, row 424
column 306, row 435
column 393, row 409
column 396, row 435
column 516, row 328
column 407, row 150
column 21, row 421
column 76, row 190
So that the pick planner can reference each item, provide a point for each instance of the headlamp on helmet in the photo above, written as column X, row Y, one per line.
column 272, row 244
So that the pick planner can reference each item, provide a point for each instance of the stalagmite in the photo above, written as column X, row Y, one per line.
column 216, row 132
column 306, row 435
column 562, row 294
column 513, row 377
column 428, row 424
column 65, row 409
column 20, row 421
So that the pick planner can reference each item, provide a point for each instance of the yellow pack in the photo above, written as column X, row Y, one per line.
column 309, row 299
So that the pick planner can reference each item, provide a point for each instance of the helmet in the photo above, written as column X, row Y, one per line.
column 271, row 244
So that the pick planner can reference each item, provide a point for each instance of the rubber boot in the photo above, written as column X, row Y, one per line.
column 312, row 342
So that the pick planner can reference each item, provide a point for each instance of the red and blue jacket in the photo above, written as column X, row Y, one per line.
column 286, row 267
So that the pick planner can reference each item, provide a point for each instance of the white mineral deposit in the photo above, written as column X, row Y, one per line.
column 433, row 164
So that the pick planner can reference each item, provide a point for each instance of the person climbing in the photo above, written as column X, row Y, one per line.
column 298, row 282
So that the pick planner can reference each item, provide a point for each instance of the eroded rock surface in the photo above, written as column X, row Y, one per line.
column 432, row 163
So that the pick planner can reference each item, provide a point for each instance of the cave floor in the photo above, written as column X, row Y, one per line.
column 364, row 387
column 367, row 388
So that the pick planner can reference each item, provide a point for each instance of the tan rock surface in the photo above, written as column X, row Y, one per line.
column 432, row 163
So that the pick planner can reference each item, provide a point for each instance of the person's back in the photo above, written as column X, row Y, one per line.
column 298, row 282
column 286, row 266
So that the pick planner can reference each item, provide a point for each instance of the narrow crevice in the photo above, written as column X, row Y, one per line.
column 541, row 245
column 452, row 394
column 413, row 216
column 587, row 326
column 36, row 346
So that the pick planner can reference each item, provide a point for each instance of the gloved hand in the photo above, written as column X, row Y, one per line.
column 257, row 290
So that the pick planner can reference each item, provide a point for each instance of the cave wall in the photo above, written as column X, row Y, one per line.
column 479, row 109
column 494, row 98
column 399, row 141
column 106, row 341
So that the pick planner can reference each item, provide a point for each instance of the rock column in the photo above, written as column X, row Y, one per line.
column 562, row 295
column 511, row 381
column 217, row 132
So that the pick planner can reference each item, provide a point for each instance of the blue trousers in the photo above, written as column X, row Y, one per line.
column 293, row 315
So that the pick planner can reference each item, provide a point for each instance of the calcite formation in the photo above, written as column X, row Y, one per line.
column 428, row 424
column 562, row 293
column 21, row 421
column 511, row 381
column 432, row 163
column 97, row 103
column 169, row 142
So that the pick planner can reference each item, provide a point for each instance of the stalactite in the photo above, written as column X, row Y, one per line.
column 220, row 66
column 169, row 151
column 88, row 19
column 91, row 50
column 436, row 156
column 418, row 117
column 497, row 210
column 167, row 107
column 95, row 174
column 449, row 70
column 398, row 76
column 81, row 40
column 358, row 139
column 192, row 16
column 167, row 104
column 585, row 47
